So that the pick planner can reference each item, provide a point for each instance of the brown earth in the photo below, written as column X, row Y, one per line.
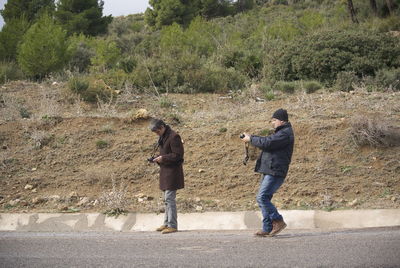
column 69, row 156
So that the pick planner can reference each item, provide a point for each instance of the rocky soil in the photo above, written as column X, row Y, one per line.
column 59, row 154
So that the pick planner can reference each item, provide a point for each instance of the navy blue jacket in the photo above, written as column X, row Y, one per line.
column 277, row 150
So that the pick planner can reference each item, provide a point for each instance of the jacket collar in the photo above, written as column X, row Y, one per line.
column 286, row 125
column 162, row 139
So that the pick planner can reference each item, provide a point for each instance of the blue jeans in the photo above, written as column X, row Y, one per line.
column 269, row 185
column 171, row 215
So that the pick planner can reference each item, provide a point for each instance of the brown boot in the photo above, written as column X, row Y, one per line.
column 261, row 233
column 277, row 227
column 161, row 228
column 169, row 230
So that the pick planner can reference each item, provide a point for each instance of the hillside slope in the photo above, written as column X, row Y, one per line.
column 66, row 156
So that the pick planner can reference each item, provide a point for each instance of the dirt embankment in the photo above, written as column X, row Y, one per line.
column 67, row 156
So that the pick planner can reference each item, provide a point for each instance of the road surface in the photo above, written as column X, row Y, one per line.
column 374, row 247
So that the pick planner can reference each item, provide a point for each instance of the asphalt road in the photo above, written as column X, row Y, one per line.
column 377, row 247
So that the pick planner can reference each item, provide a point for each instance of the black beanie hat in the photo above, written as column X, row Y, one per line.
column 281, row 114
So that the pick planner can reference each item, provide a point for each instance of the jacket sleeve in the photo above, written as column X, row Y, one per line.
column 176, row 154
column 270, row 143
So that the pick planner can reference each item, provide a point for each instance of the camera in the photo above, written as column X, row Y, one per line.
column 150, row 159
column 241, row 136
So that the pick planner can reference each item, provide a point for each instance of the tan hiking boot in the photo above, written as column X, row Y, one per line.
column 277, row 227
column 261, row 233
column 169, row 230
column 161, row 228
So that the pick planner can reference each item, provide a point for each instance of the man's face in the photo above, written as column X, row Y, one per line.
column 160, row 131
column 277, row 123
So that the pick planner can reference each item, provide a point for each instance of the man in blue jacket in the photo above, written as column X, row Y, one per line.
column 273, row 164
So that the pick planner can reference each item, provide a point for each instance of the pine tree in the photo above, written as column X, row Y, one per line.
column 85, row 17
column 28, row 9
column 11, row 36
column 43, row 49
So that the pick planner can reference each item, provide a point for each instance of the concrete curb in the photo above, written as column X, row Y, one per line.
column 296, row 219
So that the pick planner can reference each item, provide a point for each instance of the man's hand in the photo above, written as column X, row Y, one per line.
column 246, row 137
column 158, row 159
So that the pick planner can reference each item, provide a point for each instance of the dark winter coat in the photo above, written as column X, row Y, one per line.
column 171, row 170
column 277, row 150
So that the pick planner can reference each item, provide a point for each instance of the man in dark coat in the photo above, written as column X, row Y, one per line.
column 273, row 164
column 171, row 172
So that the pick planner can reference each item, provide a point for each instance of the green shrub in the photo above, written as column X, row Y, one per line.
column 10, row 71
column 285, row 87
column 91, row 89
column 345, row 81
column 101, row 144
column 388, row 79
column 43, row 49
column 81, row 54
column 127, row 64
column 321, row 56
column 165, row 102
column 78, row 84
column 312, row 86
column 269, row 95
column 391, row 23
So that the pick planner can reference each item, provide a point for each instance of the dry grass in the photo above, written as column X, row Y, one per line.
column 115, row 200
column 9, row 108
column 373, row 131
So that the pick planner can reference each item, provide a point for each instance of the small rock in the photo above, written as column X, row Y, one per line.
column 140, row 199
column 73, row 196
column 358, row 191
column 14, row 202
column 34, row 169
column 37, row 200
column 201, row 171
column 28, row 187
column 199, row 208
column 393, row 198
column 95, row 202
column 84, row 201
column 197, row 199
column 54, row 197
column 34, row 190
column 353, row 203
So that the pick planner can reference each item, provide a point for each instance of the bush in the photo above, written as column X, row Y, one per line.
column 321, row 56
column 388, row 79
column 9, row 71
column 312, row 86
column 101, row 144
column 43, row 49
column 345, row 81
column 373, row 131
column 91, row 89
column 391, row 23
column 285, row 87
column 80, row 55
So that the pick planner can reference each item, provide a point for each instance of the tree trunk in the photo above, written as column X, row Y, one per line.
column 390, row 6
column 374, row 8
column 352, row 12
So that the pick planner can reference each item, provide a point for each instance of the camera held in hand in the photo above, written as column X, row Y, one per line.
column 242, row 136
column 151, row 159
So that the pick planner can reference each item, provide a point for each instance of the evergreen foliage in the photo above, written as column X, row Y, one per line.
column 27, row 9
column 11, row 36
column 43, row 49
column 325, row 54
column 85, row 17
